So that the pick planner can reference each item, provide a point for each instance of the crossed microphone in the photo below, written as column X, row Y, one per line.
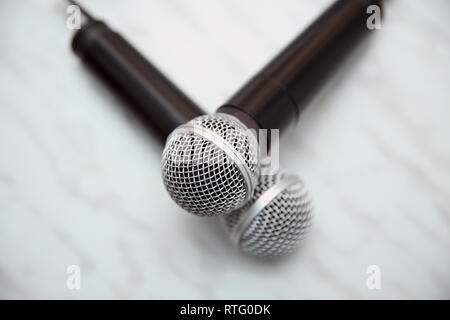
column 212, row 164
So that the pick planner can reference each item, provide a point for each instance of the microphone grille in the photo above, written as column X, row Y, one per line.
column 210, row 165
column 274, row 221
column 235, row 134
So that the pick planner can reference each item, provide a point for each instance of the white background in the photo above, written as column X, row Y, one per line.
column 80, row 181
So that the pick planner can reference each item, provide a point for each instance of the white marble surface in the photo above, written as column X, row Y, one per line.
column 80, row 181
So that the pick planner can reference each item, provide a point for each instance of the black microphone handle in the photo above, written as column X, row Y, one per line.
column 275, row 97
column 149, row 94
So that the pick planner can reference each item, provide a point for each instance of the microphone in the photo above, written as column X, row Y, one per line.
column 211, row 165
column 276, row 218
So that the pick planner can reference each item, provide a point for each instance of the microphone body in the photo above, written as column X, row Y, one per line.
column 276, row 96
column 159, row 104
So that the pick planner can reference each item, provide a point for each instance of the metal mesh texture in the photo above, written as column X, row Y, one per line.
column 278, row 228
column 202, row 178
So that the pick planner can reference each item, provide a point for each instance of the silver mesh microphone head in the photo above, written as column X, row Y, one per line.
column 274, row 221
column 210, row 165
